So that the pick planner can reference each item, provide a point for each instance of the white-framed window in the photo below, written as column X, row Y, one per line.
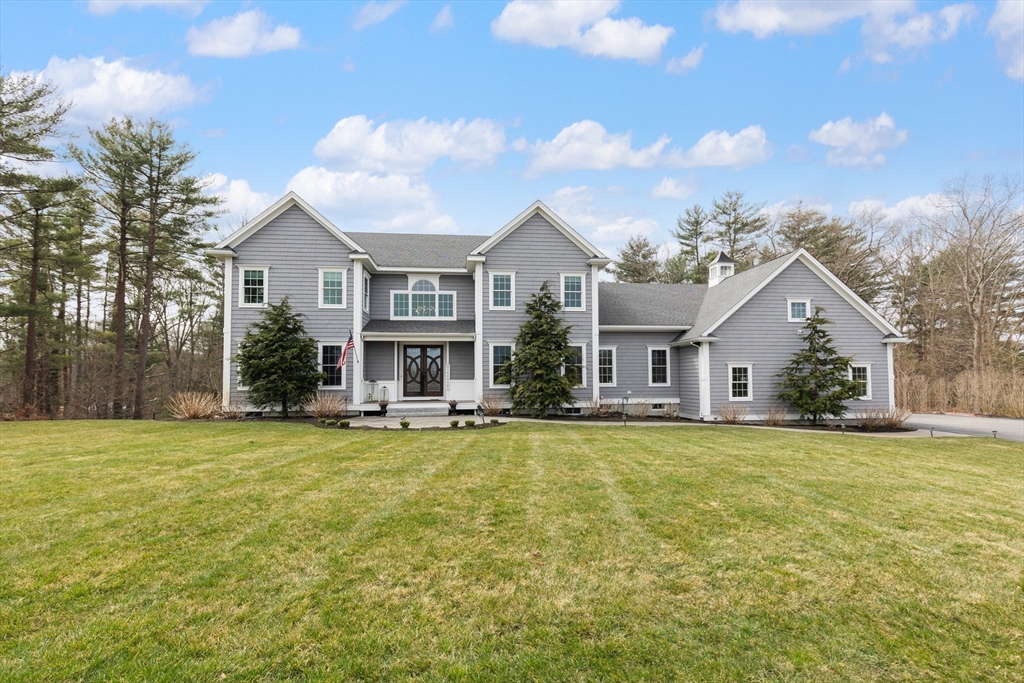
column 861, row 374
column 741, row 382
column 659, row 374
column 503, row 291
column 238, row 379
column 799, row 310
column 333, row 288
column 330, row 357
column 574, row 291
column 366, row 293
column 578, row 366
column 501, row 353
column 422, row 300
column 252, row 286
column 606, row 366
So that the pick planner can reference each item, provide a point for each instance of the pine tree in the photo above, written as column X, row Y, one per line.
column 637, row 262
column 739, row 225
column 691, row 231
column 815, row 381
column 537, row 382
column 277, row 360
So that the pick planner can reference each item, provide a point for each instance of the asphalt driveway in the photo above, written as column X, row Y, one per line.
column 971, row 425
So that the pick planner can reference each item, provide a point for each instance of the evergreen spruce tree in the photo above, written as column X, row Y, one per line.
column 816, row 381
column 277, row 360
column 691, row 231
column 637, row 262
column 535, row 374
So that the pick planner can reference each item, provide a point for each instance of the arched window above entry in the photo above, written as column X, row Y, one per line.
column 423, row 286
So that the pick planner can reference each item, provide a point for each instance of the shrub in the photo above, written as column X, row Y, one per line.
column 732, row 413
column 404, row 423
column 470, row 423
column 640, row 408
column 194, row 405
column 454, row 423
column 343, row 424
column 870, row 418
column 326, row 404
column 235, row 410
column 492, row 403
column 895, row 417
column 494, row 421
column 331, row 423
column 774, row 416
column 597, row 408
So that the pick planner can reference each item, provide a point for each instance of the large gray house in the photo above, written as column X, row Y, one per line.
column 433, row 317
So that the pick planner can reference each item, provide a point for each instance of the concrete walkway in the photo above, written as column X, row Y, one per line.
column 969, row 425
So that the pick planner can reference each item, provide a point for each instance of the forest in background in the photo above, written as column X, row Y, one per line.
column 109, row 306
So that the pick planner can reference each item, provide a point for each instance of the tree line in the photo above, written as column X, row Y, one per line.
column 950, row 276
column 107, row 303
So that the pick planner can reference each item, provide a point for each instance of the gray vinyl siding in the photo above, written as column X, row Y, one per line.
column 537, row 251
column 380, row 293
column 688, row 372
column 759, row 333
column 379, row 364
column 460, row 360
column 631, row 371
column 465, row 293
column 293, row 246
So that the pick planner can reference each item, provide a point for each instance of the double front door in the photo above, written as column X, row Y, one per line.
column 424, row 370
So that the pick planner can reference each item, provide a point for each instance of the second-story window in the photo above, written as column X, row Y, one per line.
column 366, row 293
column 332, row 288
column 502, row 291
column 572, row 292
column 253, row 287
column 423, row 301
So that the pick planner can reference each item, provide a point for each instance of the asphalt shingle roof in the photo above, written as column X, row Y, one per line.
column 391, row 249
column 629, row 303
column 421, row 326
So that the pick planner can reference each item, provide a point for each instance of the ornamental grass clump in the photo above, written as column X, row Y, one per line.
column 194, row 405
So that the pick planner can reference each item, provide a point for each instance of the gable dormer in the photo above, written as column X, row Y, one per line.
column 721, row 268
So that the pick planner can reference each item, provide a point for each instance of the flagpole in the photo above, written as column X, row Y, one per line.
column 355, row 347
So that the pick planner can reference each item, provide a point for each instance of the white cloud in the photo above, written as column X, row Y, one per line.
column 859, row 144
column 577, row 205
column 101, row 90
column 191, row 8
column 928, row 205
column 410, row 146
column 582, row 26
column 674, row 188
column 373, row 13
column 443, row 21
column 239, row 201
column 895, row 23
column 394, row 202
column 1007, row 24
column 718, row 148
column 586, row 145
column 245, row 34
column 680, row 65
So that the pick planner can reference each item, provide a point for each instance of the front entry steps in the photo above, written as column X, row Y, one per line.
column 416, row 408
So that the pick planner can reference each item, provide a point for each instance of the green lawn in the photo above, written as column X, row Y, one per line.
column 160, row 551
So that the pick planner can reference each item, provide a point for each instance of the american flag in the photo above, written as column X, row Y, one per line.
column 350, row 345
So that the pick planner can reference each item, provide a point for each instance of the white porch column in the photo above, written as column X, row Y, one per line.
column 891, row 372
column 478, row 342
column 704, row 377
column 357, row 332
column 595, row 335
column 226, row 360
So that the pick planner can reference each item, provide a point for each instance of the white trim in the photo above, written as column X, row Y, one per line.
column 808, row 311
column 238, row 379
column 226, row 355
column 849, row 375
column 364, row 294
column 344, row 286
column 357, row 332
column 704, row 377
column 538, row 207
column 490, row 297
column 668, row 366
column 583, row 291
column 750, row 381
column 642, row 328
column 615, row 366
column 241, row 286
column 891, row 377
column 583, row 360
column 432, row 278
column 829, row 279
column 478, row 341
column 426, row 337
column 276, row 209
column 320, row 364
column 437, row 305
column 595, row 335
column 490, row 364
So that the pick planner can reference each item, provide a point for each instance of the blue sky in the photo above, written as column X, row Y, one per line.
column 453, row 117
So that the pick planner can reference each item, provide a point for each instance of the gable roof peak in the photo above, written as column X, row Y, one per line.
column 286, row 202
column 539, row 207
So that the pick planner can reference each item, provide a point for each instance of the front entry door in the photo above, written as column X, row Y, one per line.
column 424, row 371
